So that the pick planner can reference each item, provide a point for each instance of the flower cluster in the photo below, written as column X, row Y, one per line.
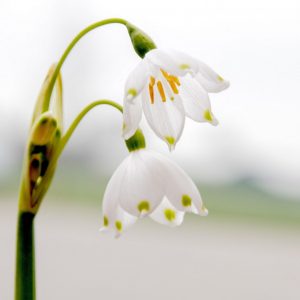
column 167, row 86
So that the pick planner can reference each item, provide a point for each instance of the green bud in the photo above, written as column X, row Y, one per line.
column 42, row 150
column 43, row 129
column 136, row 142
column 141, row 42
column 40, row 162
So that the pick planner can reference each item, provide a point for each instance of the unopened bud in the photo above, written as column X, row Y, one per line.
column 43, row 129
column 141, row 42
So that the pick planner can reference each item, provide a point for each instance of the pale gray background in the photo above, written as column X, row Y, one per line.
column 256, row 46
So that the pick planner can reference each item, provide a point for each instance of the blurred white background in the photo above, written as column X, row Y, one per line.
column 256, row 46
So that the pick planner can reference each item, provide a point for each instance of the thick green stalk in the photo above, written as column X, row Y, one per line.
column 68, row 50
column 25, row 265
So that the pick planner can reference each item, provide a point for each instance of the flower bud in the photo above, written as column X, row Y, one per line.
column 43, row 129
column 42, row 150
column 141, row 42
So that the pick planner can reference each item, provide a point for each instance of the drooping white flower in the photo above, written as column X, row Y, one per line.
column 148, row 183
column 168, row 85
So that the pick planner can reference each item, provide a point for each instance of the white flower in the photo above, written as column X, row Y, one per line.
column 147, row 183
column 168, row 85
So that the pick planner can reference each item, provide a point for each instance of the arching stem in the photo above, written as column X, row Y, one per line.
column 68, row 50
column 81, row 115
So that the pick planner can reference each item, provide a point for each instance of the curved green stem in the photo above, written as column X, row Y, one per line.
column 80, row 116
column 70, row 47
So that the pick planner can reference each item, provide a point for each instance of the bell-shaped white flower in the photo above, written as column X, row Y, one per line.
column 148, row 183
column 168, row 85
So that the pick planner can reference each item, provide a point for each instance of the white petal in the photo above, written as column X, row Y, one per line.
column 136, row 81
column 141, row 189
column 210, row 80
column 132, row 115
column 118, row 222
column 184, row 61
column 180, row 189
column 114, row 218
column 164, row 61
column 165, row 118
column 196, row 101
column 112, row 192
column 167, row 214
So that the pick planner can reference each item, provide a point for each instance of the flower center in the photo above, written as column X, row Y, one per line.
column 173, row 84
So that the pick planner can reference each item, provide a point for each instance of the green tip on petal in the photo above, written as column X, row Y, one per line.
column 208, row 116
column 132, row 92
column 170, row 214
column 220, row 78
column 170, row 140
column 105, row 221
column 186, row 200
column 184, row 66
column 143, row 206
column 119, row 225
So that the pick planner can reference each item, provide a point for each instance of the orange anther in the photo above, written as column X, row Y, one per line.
column 175, row 79
column 152, row 80
column 166, row 75
column 161, row 91
column 151, row 93
column 173, row 87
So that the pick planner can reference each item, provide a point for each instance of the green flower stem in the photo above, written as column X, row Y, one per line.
column 77, row 120
column 25, row 266
column 70, row 47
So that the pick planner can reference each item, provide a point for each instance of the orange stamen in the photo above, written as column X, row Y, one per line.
column 173, row 87
column 152, row 80
column 151, row 93
column 161, row 91
column 175, row 79
column 166, row 75
column 172, row 80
